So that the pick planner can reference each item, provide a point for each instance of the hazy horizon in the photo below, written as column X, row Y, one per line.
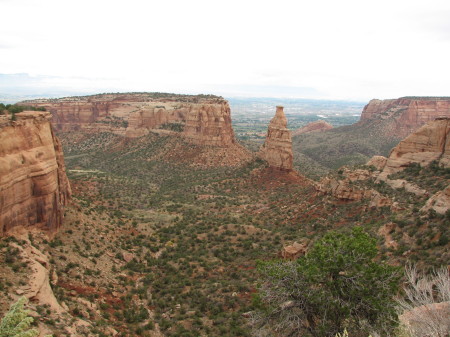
column 348, row 50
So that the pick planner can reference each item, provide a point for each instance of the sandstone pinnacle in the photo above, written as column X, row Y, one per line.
column 277, row 149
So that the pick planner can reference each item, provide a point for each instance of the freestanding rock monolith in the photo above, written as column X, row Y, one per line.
column 277, row 149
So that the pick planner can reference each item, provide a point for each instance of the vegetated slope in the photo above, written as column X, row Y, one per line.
column 315, row 154
column 382, row 125
column 154, row 246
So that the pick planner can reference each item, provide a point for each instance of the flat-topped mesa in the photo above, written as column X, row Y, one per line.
column 277, row 149
column 202, row 119
column 33, row 184
column 402, row 116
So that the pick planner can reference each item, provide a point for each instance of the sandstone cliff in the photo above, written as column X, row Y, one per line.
column 277, row 149
column 431, row 142
column 210, row 124
column 317, row 126
column 33, row 184
column 399, row 117
column 202, row 119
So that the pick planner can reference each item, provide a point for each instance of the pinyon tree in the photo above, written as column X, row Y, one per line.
column 338, row 284
column 16, row 322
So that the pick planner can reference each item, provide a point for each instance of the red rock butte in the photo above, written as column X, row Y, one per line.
column 202, row 119
column 277, row 149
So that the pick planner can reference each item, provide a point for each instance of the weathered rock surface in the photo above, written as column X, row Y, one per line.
column 277, row 149
column 33, row 184
column 408, row 186
column 317, row 126
column 202, row 119
column 344, row 189
column 431, row 142
column 404, row 115
column 38, row 288
column 379, row 162
column 210, row 124
column 295, row 250
column 440, row 202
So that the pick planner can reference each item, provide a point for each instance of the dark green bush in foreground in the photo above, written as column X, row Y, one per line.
column 336, row 285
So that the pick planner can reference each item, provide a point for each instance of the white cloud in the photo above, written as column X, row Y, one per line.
column 343, row 49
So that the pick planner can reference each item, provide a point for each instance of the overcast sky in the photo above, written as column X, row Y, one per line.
column 336, row 49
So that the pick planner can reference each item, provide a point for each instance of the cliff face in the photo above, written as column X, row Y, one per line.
column 277, row 149
column 203, row 120
column 210, row 124
column 317, row 126
column 33, row 184
column 431, row 142
column 402, row 116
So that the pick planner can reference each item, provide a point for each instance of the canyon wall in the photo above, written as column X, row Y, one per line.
column 202, row 119
column 33, row 184
column 402, row 116
column 277, row 148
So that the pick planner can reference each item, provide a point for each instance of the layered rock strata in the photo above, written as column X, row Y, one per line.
column 277, row 148
column 210, row 124
column 430, row 143
column 202, row 119
column 400, row 117
column 33, row 184
column 317, row 126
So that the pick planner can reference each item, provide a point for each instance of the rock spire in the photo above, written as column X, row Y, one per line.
column 277, row 149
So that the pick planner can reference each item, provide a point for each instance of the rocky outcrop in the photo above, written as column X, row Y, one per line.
column 379, row 162
column 33, row 184
column 402, row 116
column 439, row 202
column 277, row 149
column 38, row 288
column 294, row 251
column 317, row 126
column 202, row 119
column 210, row 124
column 150, row 117
column 344, row 189
column 430, row 143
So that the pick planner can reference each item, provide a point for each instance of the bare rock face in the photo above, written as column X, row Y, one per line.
column 440, row 202
column 210, row 124
column 317, row 126
column 378, row 162
column 341, row 189
column 431, row 142
column 294, row 251
column 38, row 288
column 201, row 119
column 33, row 184
column 277, row 149
column 150, row 117
column 344, row 189
column 404, row 115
